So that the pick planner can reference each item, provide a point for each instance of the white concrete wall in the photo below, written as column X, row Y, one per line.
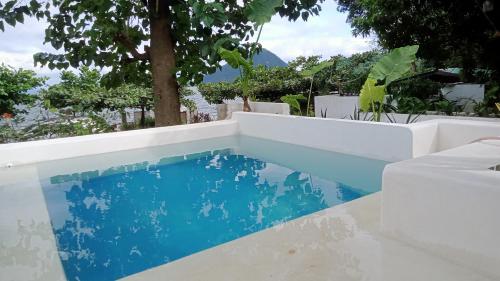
column 335, row 106
column 401, row 118
column 448, row 203
column 465, row 94
column 390, row 142
column 454, row 133
column 343, row 107
column 225, row 111
column 46, row 150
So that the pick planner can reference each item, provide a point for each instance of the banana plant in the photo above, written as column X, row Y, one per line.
column 397, row 64
column 294, row 101
column 309, row 74
column 259, row 12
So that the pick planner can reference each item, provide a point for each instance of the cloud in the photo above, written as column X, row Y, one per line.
column 18, row 44
column 327, row 34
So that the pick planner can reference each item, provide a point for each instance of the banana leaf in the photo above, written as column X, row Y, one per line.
column 309, row 73
column 293, row 101
column 235, row 60
column 395, row 65
column 371, row 94
column 261, row 11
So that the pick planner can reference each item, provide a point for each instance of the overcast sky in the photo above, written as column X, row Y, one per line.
column 325, row 35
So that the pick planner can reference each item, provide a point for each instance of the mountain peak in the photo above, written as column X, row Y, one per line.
column 228, row 74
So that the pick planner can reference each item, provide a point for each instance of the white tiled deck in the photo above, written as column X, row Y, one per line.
column 339, row 243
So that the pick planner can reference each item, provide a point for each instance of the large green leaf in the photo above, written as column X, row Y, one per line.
column 293, row 101
column 370, row 94
column 309, row 73
column 394, row 65
column 261, row 11
column 235, row 59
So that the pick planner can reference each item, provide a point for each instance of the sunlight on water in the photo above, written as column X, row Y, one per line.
column 125, row 219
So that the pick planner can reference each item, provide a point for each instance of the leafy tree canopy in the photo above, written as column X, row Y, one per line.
column 83, row 93
column 450, row 33
column 176, row 40
column 15, row 85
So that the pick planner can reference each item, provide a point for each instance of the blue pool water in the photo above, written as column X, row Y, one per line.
column 122, row 220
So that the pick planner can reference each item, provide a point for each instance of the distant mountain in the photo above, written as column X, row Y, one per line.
column 228, row 74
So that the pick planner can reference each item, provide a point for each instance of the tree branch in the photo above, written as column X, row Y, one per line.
column 126, row 42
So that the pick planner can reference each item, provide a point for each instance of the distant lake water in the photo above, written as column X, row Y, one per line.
column 38, row 113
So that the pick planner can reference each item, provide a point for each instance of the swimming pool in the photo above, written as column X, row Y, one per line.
column 117, row 214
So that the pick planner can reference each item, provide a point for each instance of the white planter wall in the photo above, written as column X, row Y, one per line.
column 225, row 111
column 342, row 107
column 445, row 202
column 465, row 94
column 335, row 106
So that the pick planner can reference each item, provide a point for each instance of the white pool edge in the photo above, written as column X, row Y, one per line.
column 389, row 142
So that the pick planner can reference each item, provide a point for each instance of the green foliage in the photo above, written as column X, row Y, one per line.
column 301, row 62
column 14, row 87
column 350, row 73
column 128, row 96
column 445, row 106
column 261, row 11
column 450, row 33
column 110, row 32
column 393, row 66
column 10, row 134
column 79, row 93
column 413, row 95
column 310, row 73
column 358, row 116
column 236, row 60
column 216, row 93
column 83, row 93
column 371, row 95
column 313, row 70
column 58, row 128
column 410, row 104
column 270, row 84
column 420, row 88
column 182, row 37
column 489, row 106
column 294, row 102
column 92, row 124
column 185, row 92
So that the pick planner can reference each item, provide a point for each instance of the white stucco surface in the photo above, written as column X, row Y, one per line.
column 343, row 107
column 225, row 111
column 465, row 94
column 335, row 106
column 447, row 202
column 46, row 150
column 439, row 208
column 390, row 142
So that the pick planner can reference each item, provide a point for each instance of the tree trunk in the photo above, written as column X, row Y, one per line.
column 123, row 115
column 246, row 105
column 143, row 117
column 162, row 56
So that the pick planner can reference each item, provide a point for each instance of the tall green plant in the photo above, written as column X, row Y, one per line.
column 396, row 64
column 259, row 12
column 309, row 74
column 294, row 102
column 175, row 41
